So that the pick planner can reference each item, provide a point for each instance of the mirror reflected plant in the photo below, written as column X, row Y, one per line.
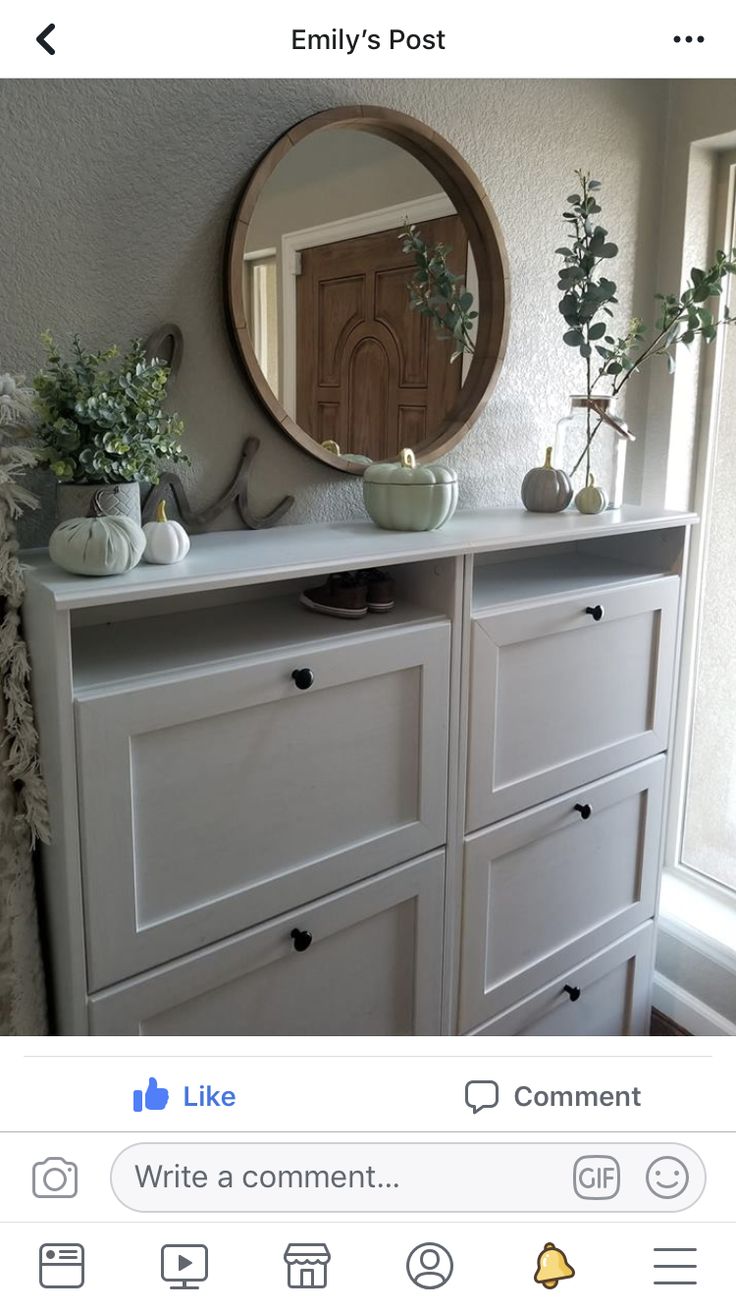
column 439, row 294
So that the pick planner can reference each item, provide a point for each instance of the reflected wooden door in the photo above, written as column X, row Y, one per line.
column 372, row 374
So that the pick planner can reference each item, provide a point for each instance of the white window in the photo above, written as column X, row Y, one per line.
column 707, row 814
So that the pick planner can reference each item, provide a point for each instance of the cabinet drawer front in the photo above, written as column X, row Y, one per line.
column 548, row 888
column 559, row 699
column 211, row 803
column 373, row 968
column 615, row 996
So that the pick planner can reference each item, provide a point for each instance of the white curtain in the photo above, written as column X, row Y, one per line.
column 23, row 810
column 22, row 993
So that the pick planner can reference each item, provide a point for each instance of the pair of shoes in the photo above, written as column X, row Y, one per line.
column 352, row 595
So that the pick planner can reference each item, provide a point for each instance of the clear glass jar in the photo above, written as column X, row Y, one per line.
column 607, row 449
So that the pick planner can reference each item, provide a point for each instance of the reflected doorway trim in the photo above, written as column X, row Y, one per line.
column 421, row 210
column 256, row 303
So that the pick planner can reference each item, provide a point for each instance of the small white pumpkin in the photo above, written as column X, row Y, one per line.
column 100, row 546
column 166, row 543
column 592, row 499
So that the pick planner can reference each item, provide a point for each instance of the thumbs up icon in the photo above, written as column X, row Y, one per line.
column 155, row 1097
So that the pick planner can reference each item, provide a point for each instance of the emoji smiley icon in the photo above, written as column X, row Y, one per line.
column 667, row 1177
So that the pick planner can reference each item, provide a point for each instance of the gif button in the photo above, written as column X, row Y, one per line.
column 597, row 1177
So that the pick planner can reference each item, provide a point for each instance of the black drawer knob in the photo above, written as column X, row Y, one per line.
column 584, row 810
column 573, row 992
column 303, row 678
column 596, row 612
column 302, row 939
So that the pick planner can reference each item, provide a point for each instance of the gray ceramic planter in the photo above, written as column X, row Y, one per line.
column 74, row 499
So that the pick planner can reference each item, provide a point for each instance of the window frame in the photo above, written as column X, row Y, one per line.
column 724, row 231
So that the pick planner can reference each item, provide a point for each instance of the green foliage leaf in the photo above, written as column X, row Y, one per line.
column 437, row 293
column 99, row 423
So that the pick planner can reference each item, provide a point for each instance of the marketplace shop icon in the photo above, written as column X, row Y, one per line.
column 307, row 1265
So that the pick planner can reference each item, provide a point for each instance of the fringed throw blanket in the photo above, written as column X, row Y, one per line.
column 23, row 811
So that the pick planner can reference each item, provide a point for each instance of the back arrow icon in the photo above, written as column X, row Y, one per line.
column 42, row 39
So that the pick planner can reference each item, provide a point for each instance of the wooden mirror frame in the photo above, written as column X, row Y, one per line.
column 462, row 186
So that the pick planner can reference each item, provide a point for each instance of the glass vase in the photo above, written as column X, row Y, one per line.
column 608, row 447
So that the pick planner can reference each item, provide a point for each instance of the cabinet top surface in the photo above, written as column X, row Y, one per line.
column 238, row 558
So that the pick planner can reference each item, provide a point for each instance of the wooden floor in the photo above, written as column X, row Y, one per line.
column 664, row 1026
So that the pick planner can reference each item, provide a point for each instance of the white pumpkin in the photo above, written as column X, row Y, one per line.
column 99, row 546
column 592, row 499
column 166, row 543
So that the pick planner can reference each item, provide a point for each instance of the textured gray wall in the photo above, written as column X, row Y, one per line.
column 115, row 199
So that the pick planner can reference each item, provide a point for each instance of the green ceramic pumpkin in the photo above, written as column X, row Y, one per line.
column 409, row 497
column 592, row 499
column 333, row 448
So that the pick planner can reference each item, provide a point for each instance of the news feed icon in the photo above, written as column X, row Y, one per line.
column 54, row 1179
column 61, row 1266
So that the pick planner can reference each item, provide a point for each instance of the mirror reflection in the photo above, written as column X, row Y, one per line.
column 327, row 298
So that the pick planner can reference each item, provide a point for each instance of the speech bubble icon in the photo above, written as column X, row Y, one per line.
column 481, row 1095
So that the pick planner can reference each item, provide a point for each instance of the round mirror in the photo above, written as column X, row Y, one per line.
column 335, row 311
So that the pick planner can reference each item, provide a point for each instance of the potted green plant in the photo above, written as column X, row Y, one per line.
column 102, row 426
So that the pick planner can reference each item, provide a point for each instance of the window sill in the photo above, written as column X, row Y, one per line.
column 701, row 914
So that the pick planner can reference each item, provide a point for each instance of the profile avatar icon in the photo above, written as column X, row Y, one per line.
column 429, row 1266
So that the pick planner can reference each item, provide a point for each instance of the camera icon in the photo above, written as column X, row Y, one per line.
column 54, row 1179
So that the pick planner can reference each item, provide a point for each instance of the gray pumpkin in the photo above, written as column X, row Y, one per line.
column 546, row 490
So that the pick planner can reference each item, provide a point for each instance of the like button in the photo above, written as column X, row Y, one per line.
column 155, row 1097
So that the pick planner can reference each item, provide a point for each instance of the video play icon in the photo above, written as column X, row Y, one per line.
column 184, row 1266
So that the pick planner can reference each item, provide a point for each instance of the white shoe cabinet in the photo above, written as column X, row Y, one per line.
column 443, row 819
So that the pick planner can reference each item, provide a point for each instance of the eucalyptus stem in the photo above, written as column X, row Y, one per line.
column 439, row 294
column 588, row 299
column 588, row 423
column 586, row 452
